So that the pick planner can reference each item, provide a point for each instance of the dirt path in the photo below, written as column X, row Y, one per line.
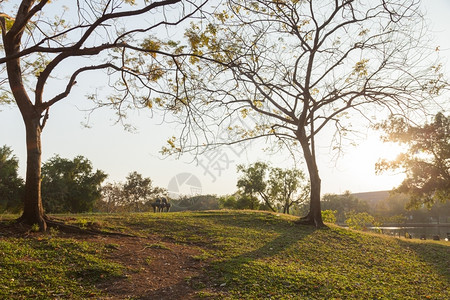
column 156, row 269
column 153, row 268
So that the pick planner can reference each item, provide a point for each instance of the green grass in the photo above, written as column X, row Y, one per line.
column 250, row 255
column 47, row 267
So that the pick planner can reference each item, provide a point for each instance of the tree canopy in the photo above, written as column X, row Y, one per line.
column 70, row 185
column 11, row 185
column 288, row 187
column 135, row 194
column 139, row 190
column 278, row 189
column 426, row 161
column 343, row 204
column 252, row 183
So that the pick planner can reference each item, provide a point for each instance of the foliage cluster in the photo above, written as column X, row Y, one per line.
column 136, row 194
column 263, row 186
column 195, row 203
column 67, row 185
column 343, row 204
column 426, row 161
column 360, row 221
column 11, row 185
column 329, row 216
column 70, row 185
column 240, row 201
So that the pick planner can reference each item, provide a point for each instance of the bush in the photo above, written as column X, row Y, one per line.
column 329, row 216
column 359, row 221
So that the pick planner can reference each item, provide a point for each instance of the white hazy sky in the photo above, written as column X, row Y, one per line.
column 118, row 152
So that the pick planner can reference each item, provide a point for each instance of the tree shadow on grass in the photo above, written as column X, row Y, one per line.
column 217, row 276
column 286, row 231
column 269, row 235
column 433, row 254
column 287, row 234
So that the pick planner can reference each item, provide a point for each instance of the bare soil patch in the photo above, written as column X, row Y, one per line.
column 153, row 268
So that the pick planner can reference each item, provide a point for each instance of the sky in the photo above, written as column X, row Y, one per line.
column 118, row 152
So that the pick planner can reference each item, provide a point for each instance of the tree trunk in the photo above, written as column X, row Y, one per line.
column 33, row 211
column 266, row 201
column 314, row 217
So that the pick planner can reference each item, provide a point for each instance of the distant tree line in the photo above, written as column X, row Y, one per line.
column 136, row 194
column 74, row 186
column 195, row 203
column 264, row 188
column 11, row 185
column 393, row 209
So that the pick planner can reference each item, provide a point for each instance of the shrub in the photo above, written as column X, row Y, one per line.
column 329, row 215
column 359, row 221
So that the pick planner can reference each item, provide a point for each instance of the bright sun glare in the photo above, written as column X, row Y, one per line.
column 388, row 151
column 357, row 167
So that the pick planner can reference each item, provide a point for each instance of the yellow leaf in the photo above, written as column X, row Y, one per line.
column 257, row 103
column 171, row 142
column 151, row 45
column 314, row 91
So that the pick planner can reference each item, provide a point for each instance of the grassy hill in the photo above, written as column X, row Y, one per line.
column 216, row 255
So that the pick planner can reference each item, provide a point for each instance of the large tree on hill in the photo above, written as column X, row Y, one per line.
column 426, row 161
column 291, row 70
column 43, row 56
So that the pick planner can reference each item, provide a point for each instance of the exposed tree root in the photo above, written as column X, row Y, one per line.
column 68, row 228
column 76, row 229
column 310, row 221
column 40, row 220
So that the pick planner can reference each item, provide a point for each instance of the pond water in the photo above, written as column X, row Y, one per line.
column 416, row 232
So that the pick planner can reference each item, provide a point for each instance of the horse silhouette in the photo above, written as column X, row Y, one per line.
column 161, row 204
